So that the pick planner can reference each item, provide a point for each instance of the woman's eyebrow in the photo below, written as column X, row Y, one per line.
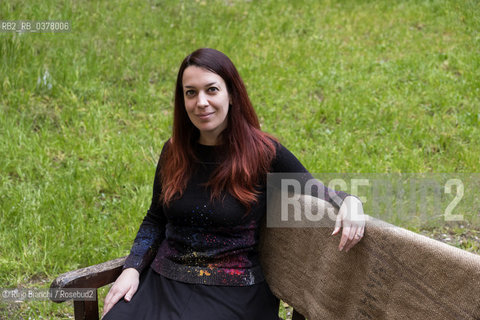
column 207, row 85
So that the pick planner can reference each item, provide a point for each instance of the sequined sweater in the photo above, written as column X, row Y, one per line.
column 196, row 240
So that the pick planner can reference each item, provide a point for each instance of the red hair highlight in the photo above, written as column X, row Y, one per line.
column 248, row 151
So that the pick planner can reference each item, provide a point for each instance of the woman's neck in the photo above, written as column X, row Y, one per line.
column 209, row 140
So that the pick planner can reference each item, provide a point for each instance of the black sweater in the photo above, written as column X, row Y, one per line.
column 196, row 240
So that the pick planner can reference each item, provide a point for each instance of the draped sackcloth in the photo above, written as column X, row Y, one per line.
column 391, row 274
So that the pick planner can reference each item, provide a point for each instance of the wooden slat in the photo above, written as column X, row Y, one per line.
column 86, row 310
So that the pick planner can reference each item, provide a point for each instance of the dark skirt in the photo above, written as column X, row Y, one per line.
column 161, row 298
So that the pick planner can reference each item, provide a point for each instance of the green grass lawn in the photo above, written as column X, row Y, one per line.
column 347, row 86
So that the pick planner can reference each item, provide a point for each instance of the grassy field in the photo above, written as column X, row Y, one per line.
column 347, row 86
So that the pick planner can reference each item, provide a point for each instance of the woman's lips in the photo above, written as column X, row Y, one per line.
column 205, row 116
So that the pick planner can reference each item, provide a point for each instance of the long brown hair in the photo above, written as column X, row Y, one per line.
column 248, row 151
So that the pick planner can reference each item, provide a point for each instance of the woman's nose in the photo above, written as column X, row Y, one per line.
column 202, row 100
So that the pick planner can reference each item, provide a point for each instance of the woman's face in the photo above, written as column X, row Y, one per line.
column 206, row 102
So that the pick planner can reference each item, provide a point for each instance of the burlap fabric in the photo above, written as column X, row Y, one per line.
column 391, row 274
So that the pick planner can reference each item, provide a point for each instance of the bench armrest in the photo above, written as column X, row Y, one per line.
column 95, row 276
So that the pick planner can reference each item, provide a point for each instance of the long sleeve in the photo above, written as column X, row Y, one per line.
column 152, row 229
column 286, row 162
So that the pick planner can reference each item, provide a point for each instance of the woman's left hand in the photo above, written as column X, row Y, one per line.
column 352, row 219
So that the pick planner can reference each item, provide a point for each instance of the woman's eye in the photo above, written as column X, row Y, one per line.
column 212, row 89
column 189, row 93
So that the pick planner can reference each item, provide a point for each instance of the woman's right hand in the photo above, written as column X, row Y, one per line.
column 125, row 286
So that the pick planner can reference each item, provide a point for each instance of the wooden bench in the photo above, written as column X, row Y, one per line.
column 391, row 273
column 96, row 277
